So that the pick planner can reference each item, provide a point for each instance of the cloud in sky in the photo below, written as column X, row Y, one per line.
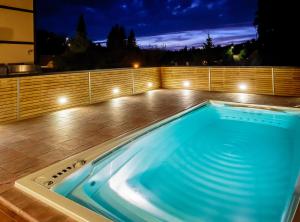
column 195, row 38
column 145, row 17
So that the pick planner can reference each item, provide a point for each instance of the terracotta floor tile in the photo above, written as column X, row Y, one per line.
column 15, row 217
column 20, row 164
column 2, row 148
column 39, row 210
column 4, row 175
column 5, row 218
column 15, row 200
column 6, row 140
column 9, row 155
column 53, row 140
column 52, row 156
column 6, row 186
column 32, row 148
column 71, row 144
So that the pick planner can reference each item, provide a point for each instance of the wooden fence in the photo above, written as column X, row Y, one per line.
column 26, row 97
column 256, row 80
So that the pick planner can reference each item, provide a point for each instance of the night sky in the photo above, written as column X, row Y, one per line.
column 170, row 23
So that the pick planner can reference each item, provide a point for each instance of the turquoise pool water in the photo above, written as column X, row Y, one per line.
column 216, row 163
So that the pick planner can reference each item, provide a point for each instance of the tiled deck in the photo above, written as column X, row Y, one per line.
column 29, row 145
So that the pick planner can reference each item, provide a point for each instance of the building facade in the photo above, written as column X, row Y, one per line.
column 17, row 32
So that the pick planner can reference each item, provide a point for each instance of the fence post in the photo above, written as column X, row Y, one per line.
column 133, row 82
column 90, row 89
column 273, row 81
column 18, row 98
column 209, row 79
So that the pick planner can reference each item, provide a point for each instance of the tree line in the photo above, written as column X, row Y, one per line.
column 277, row 44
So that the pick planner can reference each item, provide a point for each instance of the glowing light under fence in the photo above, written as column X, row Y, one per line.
column 186, row 84
column 186, row 92
column 136, row 65
column 243, row 98
column 243, row 86
column 150, row 84
column 62, row 100
column 116, row 102
column 150, row 93
column 116, row 90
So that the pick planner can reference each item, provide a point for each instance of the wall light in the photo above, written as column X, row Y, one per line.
column 150, row 84
column 186, row 84
column 243, row 86
column 116, row 90
column 62, row 100
column 136, row 65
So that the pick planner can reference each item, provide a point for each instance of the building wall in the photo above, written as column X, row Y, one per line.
column 16, row 31
column 8, row 100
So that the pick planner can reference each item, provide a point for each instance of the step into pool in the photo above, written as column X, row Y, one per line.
column 216, row 162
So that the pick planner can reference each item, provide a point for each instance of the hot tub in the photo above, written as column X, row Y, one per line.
column 217, row 161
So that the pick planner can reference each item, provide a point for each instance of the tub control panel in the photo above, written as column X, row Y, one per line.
column 52, row 178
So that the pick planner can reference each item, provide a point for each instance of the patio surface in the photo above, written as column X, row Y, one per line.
column 29, row 145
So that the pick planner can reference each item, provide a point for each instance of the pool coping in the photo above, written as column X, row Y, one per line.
column 38, row 183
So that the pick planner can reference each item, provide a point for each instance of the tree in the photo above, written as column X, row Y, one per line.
column 278, row 39
column 80, row 43
column 208, row 44
column 116, row 40
column 131, row 42
column 48, row 43
column 81, row 27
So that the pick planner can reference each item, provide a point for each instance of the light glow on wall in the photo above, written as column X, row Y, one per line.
column 150, row 84
column 186, row 84
column 62, row 100
column 116, row 90
column 136, row 65
column 243, row 86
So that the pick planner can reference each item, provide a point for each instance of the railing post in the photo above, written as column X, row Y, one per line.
column 90, row 89
column 18, row 99
column 209, row 79
column 273, row 82
column 132, row 79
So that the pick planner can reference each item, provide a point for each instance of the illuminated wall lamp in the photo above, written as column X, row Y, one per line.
column 243, row 86
column 186, row 84
column 150, row 84
column 136, row 65
column 116, row 91
column 62, row 100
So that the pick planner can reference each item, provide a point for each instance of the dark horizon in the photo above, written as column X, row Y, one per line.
column 170, row 23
